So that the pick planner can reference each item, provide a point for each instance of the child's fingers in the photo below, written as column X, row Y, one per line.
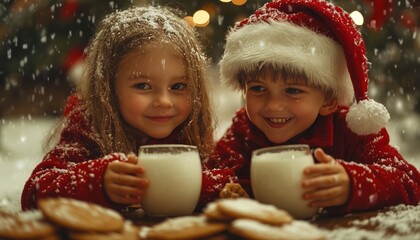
column 130, row 180
column 132, row 158
column 125, row 194
column 322, row 157
column 124, row 190
column 326, row 197
column 326, row 181
column 123, row 167
column 322, row 169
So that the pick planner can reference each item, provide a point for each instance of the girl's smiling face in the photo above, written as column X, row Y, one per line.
column 153, row 92
column 283, row 109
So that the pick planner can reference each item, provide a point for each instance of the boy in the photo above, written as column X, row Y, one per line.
column 300, row 65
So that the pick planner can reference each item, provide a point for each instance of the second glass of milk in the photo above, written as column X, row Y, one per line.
column 276, row 176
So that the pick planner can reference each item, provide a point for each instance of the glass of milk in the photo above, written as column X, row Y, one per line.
column 174, row 172
column 276, row 176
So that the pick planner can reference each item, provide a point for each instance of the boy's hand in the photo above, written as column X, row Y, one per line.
column 325, row 184
column 233, row 190
column 123, row 182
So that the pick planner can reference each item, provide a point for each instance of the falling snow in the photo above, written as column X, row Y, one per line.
column 21, row 141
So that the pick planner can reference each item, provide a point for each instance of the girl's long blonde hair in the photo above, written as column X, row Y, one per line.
column 120, row 33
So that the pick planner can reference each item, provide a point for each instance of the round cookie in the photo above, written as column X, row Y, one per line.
column 129, row 232
column 80, row 216
column 25, row 225
column 251, row 209
column 297, row 230
column 5, row 213
column 211, row 211
column 186, row 227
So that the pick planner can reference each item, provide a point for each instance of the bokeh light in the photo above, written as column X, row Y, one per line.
column 357, row 18
column 201, row 18
column 239, row 2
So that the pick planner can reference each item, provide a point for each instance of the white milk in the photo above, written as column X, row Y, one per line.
column 175, row 183
column 276, row 179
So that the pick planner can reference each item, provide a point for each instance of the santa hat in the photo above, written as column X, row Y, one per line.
column 316, row 38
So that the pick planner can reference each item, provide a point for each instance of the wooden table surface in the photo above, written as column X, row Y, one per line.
column 399, row 222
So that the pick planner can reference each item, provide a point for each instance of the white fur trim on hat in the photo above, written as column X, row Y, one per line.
column 285, row 44
column 366, row 117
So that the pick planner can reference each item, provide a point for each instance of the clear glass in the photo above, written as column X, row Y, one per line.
column 276, row 176
column 174, row 172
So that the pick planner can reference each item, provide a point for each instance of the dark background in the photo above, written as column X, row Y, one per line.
column 42, row 42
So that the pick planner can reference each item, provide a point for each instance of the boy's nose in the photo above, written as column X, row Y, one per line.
column 275, row 103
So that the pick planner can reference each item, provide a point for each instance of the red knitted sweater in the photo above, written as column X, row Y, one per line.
column 379, row 176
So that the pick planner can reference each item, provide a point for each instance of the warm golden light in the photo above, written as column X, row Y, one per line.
column 201, row 18
column 225, row 1
column 239, row 2
column 357, row 18
column 190, row 20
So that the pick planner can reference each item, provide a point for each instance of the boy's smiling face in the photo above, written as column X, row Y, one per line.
column 283, row 109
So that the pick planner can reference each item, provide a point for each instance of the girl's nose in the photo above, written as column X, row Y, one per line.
column 163, row 100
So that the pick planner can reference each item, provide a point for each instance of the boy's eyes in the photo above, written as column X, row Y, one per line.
column 293, row 90
column 289, row 90
column 256, row 88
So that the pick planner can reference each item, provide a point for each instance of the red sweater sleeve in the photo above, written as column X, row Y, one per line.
column 379, row 175
column 55, row 177
column 73, row 168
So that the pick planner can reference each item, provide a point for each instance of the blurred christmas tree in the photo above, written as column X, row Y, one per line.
column 42, row 41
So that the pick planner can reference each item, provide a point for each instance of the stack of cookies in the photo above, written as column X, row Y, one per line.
column 241, row 217
column 26, row 225
column 64, row 218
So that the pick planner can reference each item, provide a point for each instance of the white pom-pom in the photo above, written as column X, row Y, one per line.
column 367, row 117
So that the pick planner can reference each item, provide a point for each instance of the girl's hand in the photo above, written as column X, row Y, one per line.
column 325, row 184
column 123, row 182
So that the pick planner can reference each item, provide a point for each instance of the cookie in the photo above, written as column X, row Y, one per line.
column 186, row 227
column 25, row 225
column 5, row 213
column 297, row 230
column 80, row 216
column 129, row 232
column 233, row 190
column 251, row 209
column 211, row 211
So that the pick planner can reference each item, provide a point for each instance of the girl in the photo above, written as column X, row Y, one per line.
column 144, row 82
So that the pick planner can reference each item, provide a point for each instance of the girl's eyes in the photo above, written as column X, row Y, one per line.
column 142, row 86
column 147, row 86
column 178, row 86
